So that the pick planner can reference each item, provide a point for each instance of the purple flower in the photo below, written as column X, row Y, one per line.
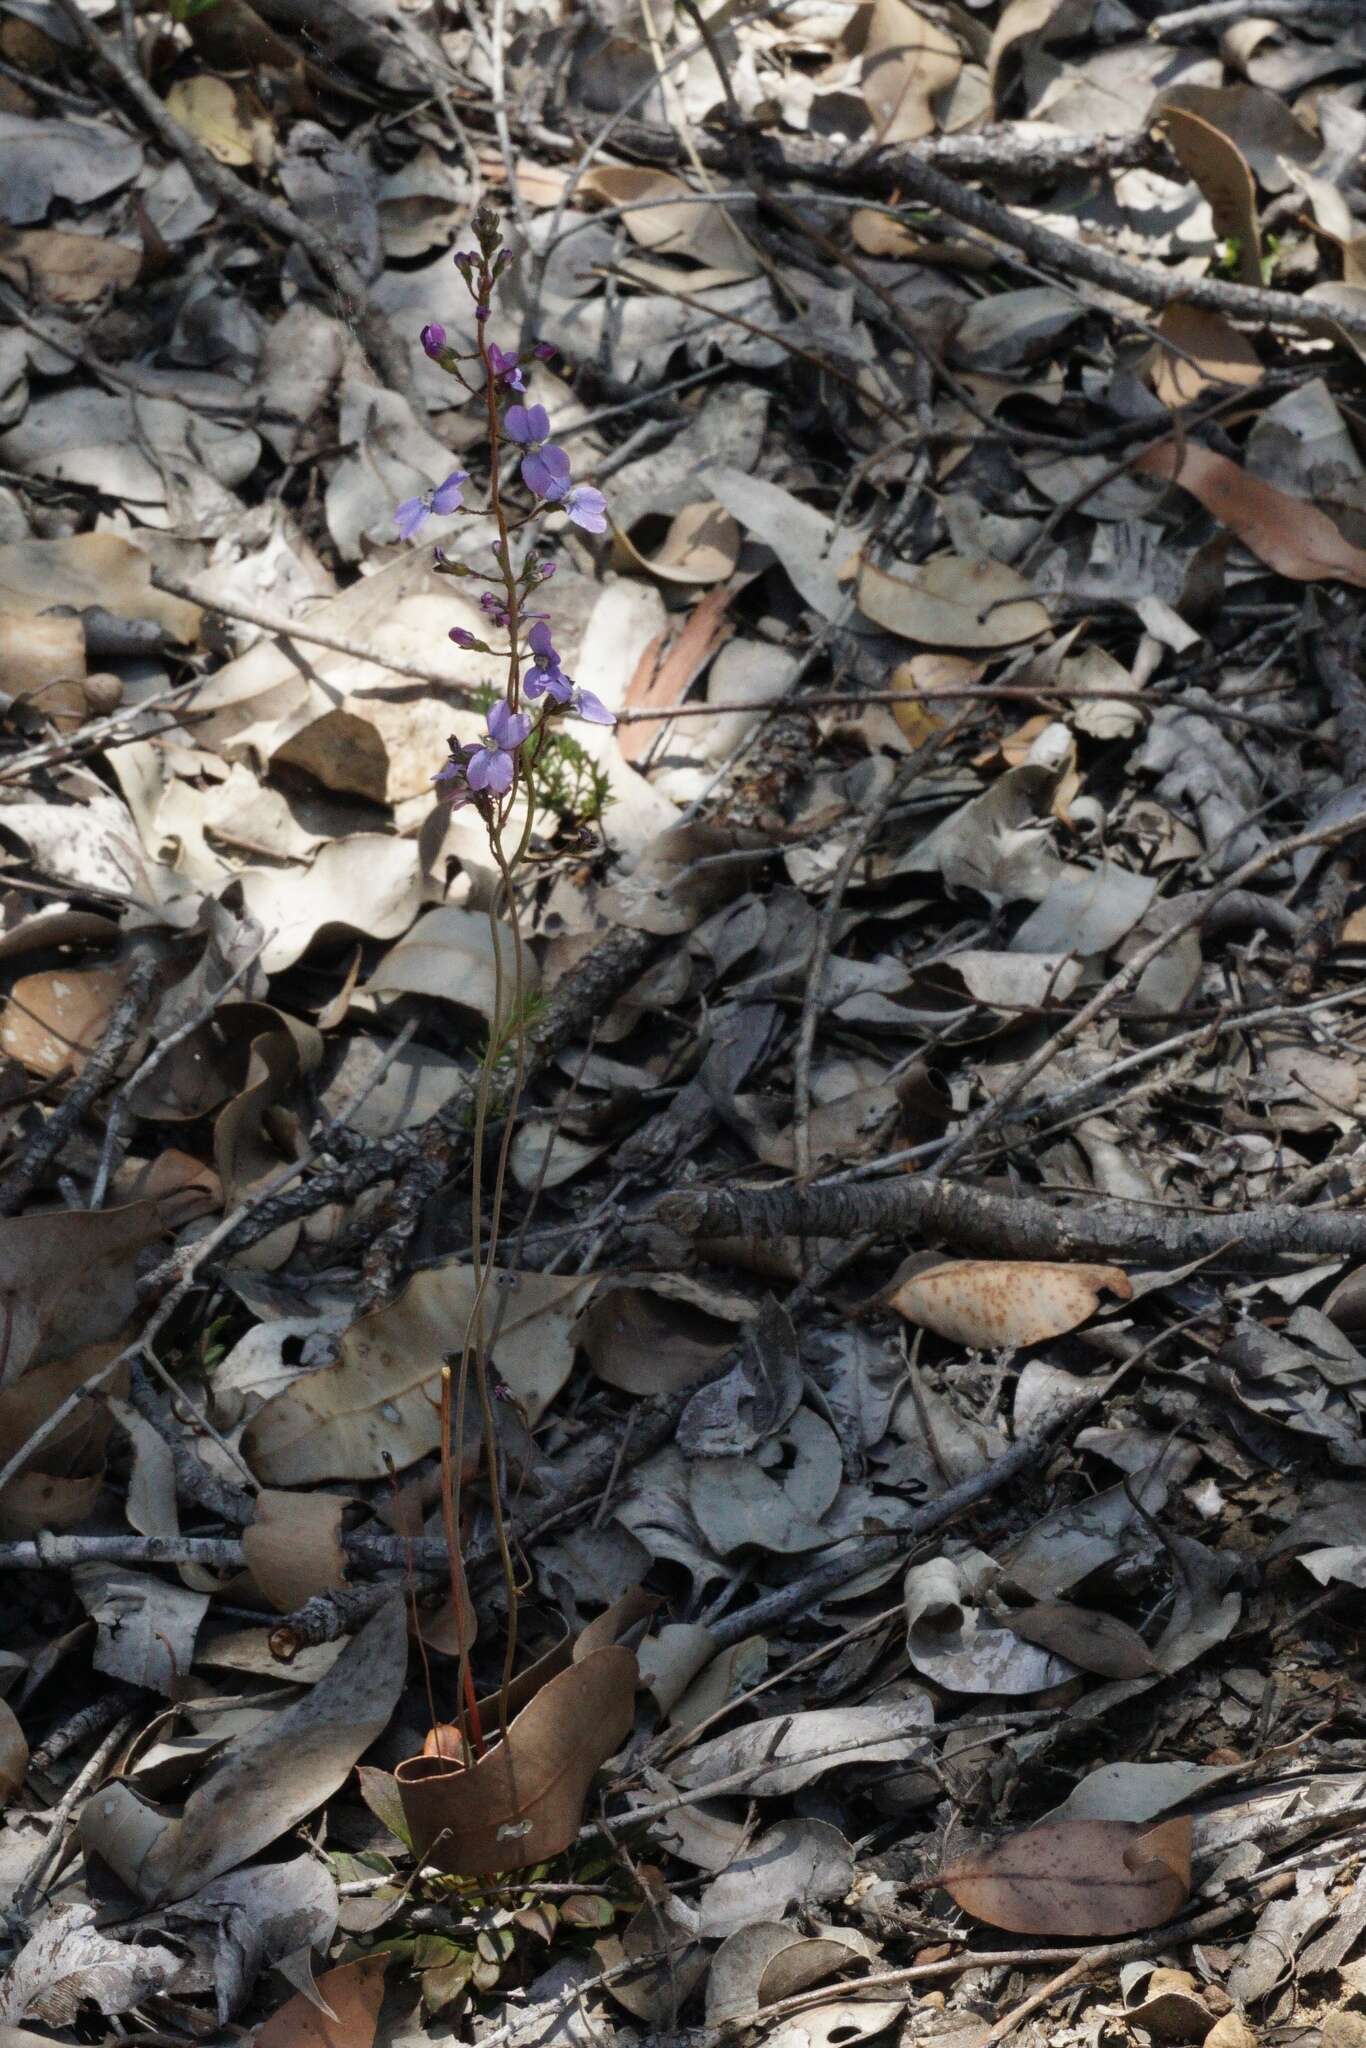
column 506, row 368
column 464, row 638
column 544, row 351
column 547, row 677
column 546, row 475
column 587, row 508
column 490, row 602
column 449, row 780
column 545, row 472
column 583, row 704
column 412, row 515
column 528, row 425
column 433, row 339
column 490, row 765
column 540, row 642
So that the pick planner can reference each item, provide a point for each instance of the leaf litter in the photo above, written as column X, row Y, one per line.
column 924, row 1421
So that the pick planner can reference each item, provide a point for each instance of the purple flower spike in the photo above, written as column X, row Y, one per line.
column 587, row 508
column 433, row 339
column 491, row 764
column 546, row 473
column 526, row 424
column 583, row 704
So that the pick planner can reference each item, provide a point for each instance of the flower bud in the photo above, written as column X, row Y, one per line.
column 433, row 339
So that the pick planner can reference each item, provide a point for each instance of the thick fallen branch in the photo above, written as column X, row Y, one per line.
column 1009, row 150
column 974, row 1219
column 919, row 179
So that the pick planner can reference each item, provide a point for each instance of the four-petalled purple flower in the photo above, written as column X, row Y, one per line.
column 412, row 515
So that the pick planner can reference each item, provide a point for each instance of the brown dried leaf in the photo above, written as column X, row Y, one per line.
column 53, row 1022
column 1087, row 1638
column 907, row 60
column 265, row 1782
column 522, row 1801
column 87, row 569
column 1220, row 170
column 1221, row 355
column 991, row 1303
column 1287, row 534
column 1020, row 18
column 293, row 1548
column 1091, row 1878
column 381, row 1400
column 346, row 2018
column 953, row 601
column 68, row 270
column 13, row 1753
column 664, row 677
column 671, row 218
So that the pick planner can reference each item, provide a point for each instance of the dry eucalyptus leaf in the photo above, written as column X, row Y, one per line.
column 789, row 1751
column 380, row 1403
column 1220, row 170
column 13, row 1754
column 1089, row 1878
column 147, row 1627
column 67, row 1963
column 522, row 1801
column 798, row 1861
column 53, row 1022
column 77, row 160
column 266, row 1781
column 293, row 1548
column 1091, row 1640
column 222, row 116
column 39, row 1254
column 953, row 601
column 1284, row 532
column 91, row 569
column 992, row 1303
column 659, row 1332
column 908, row 60
column 673, row 221
column 1221, row 355
column 68, row 270
column 342, row 2012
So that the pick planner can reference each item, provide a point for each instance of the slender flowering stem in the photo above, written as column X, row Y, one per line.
column 492, row 773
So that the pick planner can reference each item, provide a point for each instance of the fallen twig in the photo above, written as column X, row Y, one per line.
column 1019, row 1226
column 291, row 629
